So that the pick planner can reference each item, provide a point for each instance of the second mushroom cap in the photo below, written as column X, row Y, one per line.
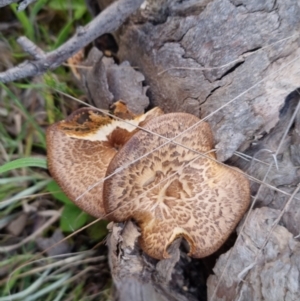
column 175, row 191
column 80, row 148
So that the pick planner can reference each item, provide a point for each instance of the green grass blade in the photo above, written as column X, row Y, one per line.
column 63, row 35
column 20, row 179
column 48, row 288
column 29, row 290
column 36, row 8
column 60, row 295
column 25, row 112
column 24, row 162
column 66, row 5
column 24, row 20
column 23, row 194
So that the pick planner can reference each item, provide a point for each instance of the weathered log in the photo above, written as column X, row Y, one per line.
column 233, row 63
column 264, row 247
column 242, row 52
column 264, row 264
column 136, row 275
column 270, row 274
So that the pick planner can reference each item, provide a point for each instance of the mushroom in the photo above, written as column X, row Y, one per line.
column 175, row 192
column 80, row 148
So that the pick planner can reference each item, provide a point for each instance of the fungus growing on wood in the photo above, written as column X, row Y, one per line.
column 175, row 192
column 80, row 148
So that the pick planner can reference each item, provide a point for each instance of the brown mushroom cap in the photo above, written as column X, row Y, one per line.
column 203, row 201
column 80, row 148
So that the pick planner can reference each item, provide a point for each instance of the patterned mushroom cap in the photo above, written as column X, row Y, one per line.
column 80, row 148
column 174, row 191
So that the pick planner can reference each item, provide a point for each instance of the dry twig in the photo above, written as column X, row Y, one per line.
column 109, row 20
column 22, row 4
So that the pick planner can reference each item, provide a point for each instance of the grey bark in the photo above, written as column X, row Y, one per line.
column 219, row 52
column 264, row 263
column 271, row 274
column 136, row 275
column 285, row 173
column 106, row 82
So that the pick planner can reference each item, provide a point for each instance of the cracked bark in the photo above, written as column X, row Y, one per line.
column 222, row 33
column 269, row 273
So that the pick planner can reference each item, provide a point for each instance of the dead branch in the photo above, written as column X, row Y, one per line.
column 7, row 2
column 21, row 4
column 109, row 20
column 24, row 4
column 31, row 48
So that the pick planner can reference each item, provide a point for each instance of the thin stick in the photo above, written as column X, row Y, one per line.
column 23, row 4
column 7, row 2
column 31, row 48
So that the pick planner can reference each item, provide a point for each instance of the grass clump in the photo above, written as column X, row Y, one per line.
column 34, row 213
